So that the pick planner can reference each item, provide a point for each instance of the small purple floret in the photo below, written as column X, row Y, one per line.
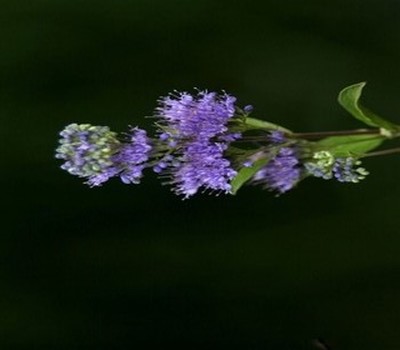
column 281, row 173
column 248, row 109
column 277, row 137
column 132, row 156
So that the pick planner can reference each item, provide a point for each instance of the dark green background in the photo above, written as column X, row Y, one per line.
column 126, row 267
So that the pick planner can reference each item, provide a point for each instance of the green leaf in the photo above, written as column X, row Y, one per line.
column 353, row 145
column 252, row 123
column 246, row 173
column 349, row 99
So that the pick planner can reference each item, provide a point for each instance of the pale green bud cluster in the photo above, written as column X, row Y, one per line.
column 87, row 149
column 325, row 165
column 321, row 165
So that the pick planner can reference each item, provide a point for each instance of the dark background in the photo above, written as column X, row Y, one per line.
column 125, row 267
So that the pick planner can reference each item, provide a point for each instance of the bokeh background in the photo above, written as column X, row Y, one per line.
column 125, row 267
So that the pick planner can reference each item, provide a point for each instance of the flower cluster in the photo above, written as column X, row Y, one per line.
column 346, row 170
column 195, row 128
column 281, row 173
column 132, row 156
column 326, row 166
column 88, row 151
column 204, row 142
column 95, row 153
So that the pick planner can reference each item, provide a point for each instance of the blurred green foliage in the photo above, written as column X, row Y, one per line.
column 134, row 266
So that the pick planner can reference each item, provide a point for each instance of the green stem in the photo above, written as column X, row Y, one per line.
column 383, row 153
column 317, row 135
column 253, row 123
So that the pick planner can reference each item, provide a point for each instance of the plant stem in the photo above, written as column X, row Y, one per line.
column 316, row 135
column 383, row 153
column 264, row 125
column 322, row 134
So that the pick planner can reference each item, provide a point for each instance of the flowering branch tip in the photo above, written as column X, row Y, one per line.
column 204, row 142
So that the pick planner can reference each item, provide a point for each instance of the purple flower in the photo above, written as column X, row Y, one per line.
column 194, row 129
column 203, row 166
column 203, row 116
column 281, row 173
column 248, row 109
column 277, row 137
column 132, row 156
column 248, row 163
